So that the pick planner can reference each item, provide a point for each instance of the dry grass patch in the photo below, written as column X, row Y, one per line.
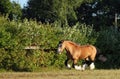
column 63, row 74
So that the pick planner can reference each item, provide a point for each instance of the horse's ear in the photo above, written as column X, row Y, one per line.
column 61, row 41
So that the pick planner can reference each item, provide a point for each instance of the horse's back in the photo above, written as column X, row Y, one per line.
column 87, row 47
column 88, row 51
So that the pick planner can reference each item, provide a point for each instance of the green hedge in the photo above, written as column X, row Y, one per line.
column 109, row 44
column 16, row 35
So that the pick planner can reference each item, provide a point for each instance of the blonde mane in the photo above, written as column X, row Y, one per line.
column 72, row 43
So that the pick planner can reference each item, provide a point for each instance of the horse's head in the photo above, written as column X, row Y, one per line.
column 60, row 46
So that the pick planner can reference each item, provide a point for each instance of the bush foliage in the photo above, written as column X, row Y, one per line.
column 16, row 35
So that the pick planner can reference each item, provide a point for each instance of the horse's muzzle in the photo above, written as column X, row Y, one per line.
column 58, row 51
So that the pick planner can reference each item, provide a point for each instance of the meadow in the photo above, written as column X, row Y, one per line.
column 63, row 74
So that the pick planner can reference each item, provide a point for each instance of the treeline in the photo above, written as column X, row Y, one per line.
column 98, row 13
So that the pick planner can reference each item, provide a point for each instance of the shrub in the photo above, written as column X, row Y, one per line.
column 109, row 44
column 16, row 35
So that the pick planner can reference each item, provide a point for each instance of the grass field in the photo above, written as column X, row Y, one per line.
column 63, row 74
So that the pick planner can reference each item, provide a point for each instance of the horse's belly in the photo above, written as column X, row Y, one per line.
column 83, row 56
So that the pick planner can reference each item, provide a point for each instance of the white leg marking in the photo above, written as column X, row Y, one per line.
column 78, row 67
column 92, row 66
column 84, row 66
column 68, row 65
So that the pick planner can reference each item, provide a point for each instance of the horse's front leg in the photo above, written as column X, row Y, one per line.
column 66, row 63
column 75, row 65
column 85, row 64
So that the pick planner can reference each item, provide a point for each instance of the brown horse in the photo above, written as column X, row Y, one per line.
column 76, row 52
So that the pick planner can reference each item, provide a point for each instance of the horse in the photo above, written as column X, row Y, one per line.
column 77, row 52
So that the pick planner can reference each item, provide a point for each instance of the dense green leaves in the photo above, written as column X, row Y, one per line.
column 12, row 9
column 5, row 6
column 100, row 13
column 15, row 36
column 16, row 11
column 52, row 10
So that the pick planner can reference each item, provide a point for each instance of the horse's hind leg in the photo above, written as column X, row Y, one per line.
column 89, row 63
column 92, row 66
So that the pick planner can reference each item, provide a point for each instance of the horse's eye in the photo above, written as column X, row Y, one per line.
column 60, row 45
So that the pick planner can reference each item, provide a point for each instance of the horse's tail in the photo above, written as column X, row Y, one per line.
column 100, row 56
column 98, row 52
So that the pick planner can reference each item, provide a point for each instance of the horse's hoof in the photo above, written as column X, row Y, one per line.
column 68, row 66
column 78, row 68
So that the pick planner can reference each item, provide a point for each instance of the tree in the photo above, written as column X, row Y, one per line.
column 5, row 6
column 16, row 11
column 13, row 10
column 98, row 13
column 67, row 12
column 53, row 10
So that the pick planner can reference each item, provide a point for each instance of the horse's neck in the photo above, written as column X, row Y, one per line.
column 73, row 44
column 70, row 45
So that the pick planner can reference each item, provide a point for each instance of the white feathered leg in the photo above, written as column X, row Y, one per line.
column 84, row 66
column 68, row 66
column 78, row 67
column 92, row 66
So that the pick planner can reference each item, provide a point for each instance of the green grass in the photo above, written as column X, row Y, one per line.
column 63, row 74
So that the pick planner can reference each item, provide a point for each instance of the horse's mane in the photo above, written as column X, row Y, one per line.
column 73, row 43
